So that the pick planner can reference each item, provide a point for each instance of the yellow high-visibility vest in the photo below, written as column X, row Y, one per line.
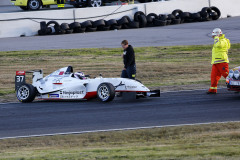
column 220, row 50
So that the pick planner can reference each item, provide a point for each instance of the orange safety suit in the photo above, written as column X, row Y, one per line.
column 219, row 61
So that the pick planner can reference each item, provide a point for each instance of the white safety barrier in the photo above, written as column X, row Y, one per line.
column 27, row 23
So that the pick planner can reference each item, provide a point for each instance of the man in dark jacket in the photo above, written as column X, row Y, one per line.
column 129, row 70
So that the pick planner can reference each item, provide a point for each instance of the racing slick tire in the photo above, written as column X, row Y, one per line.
column 26, row 93
column 105, row 92
column 34, row 4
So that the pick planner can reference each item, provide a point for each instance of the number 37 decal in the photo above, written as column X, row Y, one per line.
column 19, row 78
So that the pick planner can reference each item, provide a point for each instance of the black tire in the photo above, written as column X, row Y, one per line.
column 171, row 17
column 103, row 28
column 69, row 31
column 125, row 26
column 195, row 15
column 75, row 25
column 111, row 22
column 34, row 4
column 98, row 23
column 205, row 13
column 25, row 8
column 127, row 18
column 151, row 17
column 177, row 13
column 215, row 9
column 86, row 24
column 157, row 22
column 105, row 92
column 142, row 21
column 113, row 27
column 65, row 26
column 26, row 93
column 137, row 14
column 57, row 27
column 185, row 15
column 79, row 30
column 94, row 3
column 176, row 21
column 43, row 25
column 52, row 22
column 133, row 24
column 163, row 17
column 122, row 21
column 91, row 29
column 169, row 22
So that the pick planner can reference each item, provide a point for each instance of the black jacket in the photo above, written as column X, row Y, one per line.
column 128, row 57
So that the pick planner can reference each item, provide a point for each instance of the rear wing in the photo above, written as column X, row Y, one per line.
column 20, row 77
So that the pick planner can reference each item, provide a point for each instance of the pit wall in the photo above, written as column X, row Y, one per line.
column 27, row 23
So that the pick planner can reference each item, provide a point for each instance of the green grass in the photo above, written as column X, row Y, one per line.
column 211, row 141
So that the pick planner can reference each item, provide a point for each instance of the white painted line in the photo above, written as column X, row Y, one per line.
column 120, row 129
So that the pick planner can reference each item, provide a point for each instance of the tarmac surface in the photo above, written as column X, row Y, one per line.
column 183, row 34
column 173, row 108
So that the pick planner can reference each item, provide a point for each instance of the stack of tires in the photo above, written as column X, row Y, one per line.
column 140, row 20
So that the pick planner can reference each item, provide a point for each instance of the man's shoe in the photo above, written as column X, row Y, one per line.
column 211, row 92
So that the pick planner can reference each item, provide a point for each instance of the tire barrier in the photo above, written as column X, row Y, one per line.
column 140, row 20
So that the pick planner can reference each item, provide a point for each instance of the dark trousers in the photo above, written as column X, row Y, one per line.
column 60, row 1
column 130, row 72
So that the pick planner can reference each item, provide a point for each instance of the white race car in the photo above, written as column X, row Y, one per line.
column 64, row 84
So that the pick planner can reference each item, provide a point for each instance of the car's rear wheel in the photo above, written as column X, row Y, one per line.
column 94, row 3
column 24, row 8
column 106, row 92
column 34, row 4
column 26, row 93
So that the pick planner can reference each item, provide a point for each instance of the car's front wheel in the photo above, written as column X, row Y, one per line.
column 106, row 92
column 26, row 93
column 34, row 4
column 94, row 3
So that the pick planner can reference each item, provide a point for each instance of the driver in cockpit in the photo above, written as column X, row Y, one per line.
column 79, row 75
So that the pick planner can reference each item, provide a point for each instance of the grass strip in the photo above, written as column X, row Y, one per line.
column 210, row 141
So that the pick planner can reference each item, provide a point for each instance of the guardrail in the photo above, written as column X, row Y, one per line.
column 27, row 23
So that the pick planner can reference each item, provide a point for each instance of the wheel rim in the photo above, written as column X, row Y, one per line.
column 96, row 3
column 103, row 93
column 23, row 93
column 34, row 4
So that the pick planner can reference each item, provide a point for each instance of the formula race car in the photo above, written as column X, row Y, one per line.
column 233, row 80
column 64, row 84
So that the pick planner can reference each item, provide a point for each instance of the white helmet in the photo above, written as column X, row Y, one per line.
column 216, row 32
column 79, row 75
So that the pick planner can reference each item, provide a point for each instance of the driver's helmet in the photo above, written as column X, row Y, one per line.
column 79, row 75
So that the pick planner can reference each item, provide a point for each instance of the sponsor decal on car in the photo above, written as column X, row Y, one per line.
column 72, row 94
column 131, row 87
column 20, row 73
column 53, row 95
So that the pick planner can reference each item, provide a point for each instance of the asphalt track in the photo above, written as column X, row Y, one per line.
column 182, row 34
column 173, row 108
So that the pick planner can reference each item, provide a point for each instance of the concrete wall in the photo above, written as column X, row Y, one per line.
column 5, row 2
column 30, row 27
